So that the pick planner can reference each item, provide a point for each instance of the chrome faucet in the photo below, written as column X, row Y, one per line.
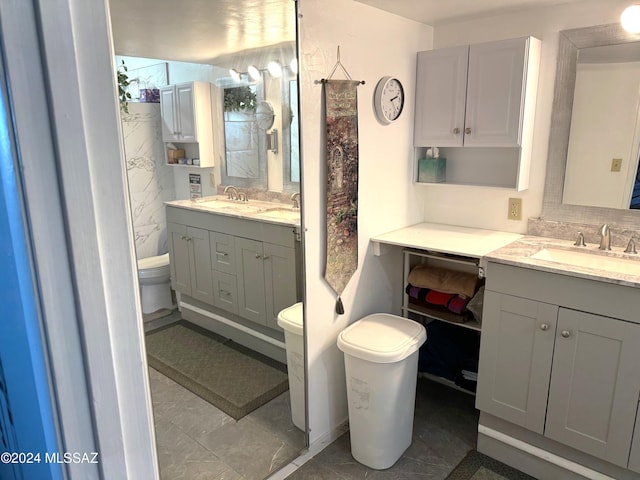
column 605, row 237
column 580, row 240
column 232, row 192
column 295, row 198
column 631, row 247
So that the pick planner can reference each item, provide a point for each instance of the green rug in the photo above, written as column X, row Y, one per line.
column 229, row 376
column 476, row 466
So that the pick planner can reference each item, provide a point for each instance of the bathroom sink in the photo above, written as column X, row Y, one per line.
column 288, row 214
column 590, row 259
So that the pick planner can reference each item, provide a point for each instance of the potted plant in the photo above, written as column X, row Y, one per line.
column 123, row 83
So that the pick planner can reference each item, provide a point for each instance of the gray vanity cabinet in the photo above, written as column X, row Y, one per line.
column 566, row 374
column 243, row 266
column 516, row 349
column 190, row 261
column 593, row 396
column 265, row 283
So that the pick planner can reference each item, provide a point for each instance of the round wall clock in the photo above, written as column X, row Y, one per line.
column 388, row 100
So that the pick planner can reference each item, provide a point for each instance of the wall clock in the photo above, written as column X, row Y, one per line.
column 388, row 100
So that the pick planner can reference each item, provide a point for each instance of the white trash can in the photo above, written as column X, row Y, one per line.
column 290, row 319
column 381, row 365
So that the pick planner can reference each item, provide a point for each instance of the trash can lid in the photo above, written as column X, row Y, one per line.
column 382, row 338
column 290, row 318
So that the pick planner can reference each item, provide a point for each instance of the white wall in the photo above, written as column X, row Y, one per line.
column 487, row 207
column 603, row 127
column 372, row 44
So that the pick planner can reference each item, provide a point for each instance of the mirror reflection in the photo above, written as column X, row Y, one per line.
column 213, row 113
column 602, row 158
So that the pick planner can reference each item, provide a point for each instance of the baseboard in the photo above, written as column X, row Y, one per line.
column 530, row 459
column 255, row 340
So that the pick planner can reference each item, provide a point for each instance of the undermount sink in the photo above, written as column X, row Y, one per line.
column 590, row 259
column 231, row 206
column 281, row 213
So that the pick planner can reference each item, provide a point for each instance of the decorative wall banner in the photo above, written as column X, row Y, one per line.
column 341, row 109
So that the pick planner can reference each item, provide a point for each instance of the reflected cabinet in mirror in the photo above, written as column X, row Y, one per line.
column 594, row 142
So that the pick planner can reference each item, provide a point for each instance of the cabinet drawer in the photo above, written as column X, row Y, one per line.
column 223, row 253
column 225, row 291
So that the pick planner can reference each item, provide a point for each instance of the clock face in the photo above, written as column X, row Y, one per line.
column 388, row 99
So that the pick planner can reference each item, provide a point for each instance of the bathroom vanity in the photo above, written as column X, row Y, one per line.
column 558, row 386
column 236, row 265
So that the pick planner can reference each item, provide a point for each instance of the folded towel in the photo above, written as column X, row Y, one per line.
column 453, row 303
column 443, row 280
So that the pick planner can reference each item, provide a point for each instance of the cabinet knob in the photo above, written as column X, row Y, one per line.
column 222, row 254
column 467, row 130
column 258, row 256
column 456, row 131
column 544, row 326
column 266, row 257
column 565, row 333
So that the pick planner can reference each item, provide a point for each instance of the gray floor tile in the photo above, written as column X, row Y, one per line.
column 275, row 416
column 445, row 429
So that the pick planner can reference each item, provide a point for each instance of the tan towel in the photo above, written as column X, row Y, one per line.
column 443, row 280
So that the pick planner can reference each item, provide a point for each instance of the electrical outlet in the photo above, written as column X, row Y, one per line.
column 616, row 164
column 515, row 209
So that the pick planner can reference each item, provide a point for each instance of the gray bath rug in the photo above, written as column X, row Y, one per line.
column 229, row 376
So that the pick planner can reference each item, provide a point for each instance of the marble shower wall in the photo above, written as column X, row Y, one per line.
column 150, row 180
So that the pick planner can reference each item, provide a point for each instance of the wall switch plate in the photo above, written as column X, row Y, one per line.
column 616, row 164
column 515, row 209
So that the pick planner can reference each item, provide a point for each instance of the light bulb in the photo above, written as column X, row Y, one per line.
column 294, row 66
column 254, row 72
column 630, row 19
column 275, row 69
column 234, row 74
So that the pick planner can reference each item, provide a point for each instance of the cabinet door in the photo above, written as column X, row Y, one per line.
column 223, row 252
column 179, row 258
column 280, row 281
column 595, row 385
column 250, row 276
column 495, row 93
column 186, row 112
column 516, row 349
column 201, row 279
column 168, row 114
column 441, row 84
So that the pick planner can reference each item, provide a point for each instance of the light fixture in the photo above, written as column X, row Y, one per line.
column 234, row 74
column 254, row 72
column 294, row 66
column 275, row 69
column 630, row 19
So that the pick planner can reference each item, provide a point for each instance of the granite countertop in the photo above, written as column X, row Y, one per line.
column 260, row 211
column 613, row 266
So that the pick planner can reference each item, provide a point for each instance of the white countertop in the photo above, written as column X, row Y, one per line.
column 466, row 241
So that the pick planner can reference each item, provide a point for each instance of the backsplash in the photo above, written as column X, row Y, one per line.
column 150, row 180
column 569, row 231
column 262, row 195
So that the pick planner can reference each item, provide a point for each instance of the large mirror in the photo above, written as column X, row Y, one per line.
column 569, row 197
column 256, row 149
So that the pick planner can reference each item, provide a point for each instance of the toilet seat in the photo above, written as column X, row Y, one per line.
column 153, row 267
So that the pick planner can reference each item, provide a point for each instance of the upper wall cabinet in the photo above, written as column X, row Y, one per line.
column 479, row 96
column 187, row 119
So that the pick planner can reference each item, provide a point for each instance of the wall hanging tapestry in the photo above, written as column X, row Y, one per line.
column 341, row 109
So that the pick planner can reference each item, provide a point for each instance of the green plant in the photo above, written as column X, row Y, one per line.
column 239, row 98
column 123, row 83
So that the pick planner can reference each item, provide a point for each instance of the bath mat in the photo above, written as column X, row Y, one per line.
column 476, row 466
column 229, row 376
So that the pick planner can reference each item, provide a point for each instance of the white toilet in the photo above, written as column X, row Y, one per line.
column 155, row 284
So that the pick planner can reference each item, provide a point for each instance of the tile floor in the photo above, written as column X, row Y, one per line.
column 197, row 441
column 445, row 429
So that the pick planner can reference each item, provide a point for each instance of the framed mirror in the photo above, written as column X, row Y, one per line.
column 571, row 43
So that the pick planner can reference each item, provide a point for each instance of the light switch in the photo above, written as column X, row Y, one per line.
column 616, row 164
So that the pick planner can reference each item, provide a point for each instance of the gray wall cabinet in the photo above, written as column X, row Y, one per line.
column 549, row 365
